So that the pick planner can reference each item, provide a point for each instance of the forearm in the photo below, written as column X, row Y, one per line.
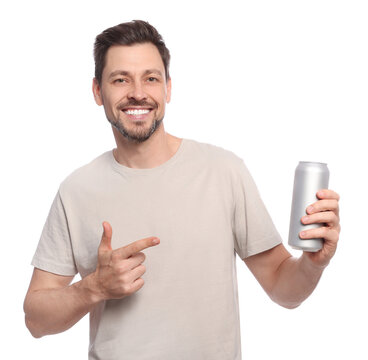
column 296, row 279
column 51, row 311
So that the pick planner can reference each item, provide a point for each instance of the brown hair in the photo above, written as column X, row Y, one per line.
column 129, row 33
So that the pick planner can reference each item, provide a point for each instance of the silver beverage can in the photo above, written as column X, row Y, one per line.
column 309, row 178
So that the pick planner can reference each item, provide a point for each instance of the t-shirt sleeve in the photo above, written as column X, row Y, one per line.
column 254, row 229
column 54, row 252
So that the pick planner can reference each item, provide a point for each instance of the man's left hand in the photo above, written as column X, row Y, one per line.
column 326, row 211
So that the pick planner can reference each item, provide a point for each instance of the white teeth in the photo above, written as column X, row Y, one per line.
column 137, row 112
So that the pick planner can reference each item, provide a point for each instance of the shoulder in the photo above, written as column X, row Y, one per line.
column 220, row 161
column 86, row 175
column 225, row 164
column 216, row 155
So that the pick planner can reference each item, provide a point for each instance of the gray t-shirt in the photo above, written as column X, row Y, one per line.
column 204, row 206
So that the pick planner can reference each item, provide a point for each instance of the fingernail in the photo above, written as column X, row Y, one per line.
column 155, row 241
column 305, row 218
column 310, row 209
column 320, row 193
column 302, row 234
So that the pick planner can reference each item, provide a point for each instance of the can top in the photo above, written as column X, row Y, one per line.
column 312, row 162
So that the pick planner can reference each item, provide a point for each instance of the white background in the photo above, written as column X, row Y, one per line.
column 273, row 81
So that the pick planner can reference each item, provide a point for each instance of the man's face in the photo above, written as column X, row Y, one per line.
column 134, row 90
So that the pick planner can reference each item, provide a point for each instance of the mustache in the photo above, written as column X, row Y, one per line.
column 135, row 103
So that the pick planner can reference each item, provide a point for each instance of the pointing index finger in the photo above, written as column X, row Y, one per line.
column 136, row 246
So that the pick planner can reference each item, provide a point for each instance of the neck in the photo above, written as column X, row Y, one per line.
column 153, row 152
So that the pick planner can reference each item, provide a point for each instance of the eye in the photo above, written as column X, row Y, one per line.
column 152, row 79
column 119, row 80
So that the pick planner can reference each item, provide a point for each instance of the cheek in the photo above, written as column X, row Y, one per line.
column 111, row 108
column 162, row 97
column 112, row 95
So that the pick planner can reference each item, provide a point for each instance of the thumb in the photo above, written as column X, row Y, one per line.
column 106, row 236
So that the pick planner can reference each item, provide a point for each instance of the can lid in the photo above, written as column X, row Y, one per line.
column 313, row 162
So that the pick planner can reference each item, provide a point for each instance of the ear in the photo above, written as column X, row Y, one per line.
column 97, row 92
column 168, row 90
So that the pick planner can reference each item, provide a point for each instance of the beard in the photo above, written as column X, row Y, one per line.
column 139, row 133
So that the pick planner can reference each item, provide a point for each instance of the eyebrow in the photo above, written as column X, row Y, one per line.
column 127, row 73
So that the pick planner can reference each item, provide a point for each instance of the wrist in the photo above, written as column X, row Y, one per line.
column 90, row 289
column 309, row 265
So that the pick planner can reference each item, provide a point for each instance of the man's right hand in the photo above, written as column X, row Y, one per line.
column 52, row 305
column 118, row 271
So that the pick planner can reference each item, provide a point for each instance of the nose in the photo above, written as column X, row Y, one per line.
column 136, row 91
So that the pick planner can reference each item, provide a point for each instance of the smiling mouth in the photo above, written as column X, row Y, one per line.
column 136, row 111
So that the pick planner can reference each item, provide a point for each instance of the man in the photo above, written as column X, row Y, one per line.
column 195, row 203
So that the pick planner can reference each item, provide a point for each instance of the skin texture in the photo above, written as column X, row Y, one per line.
column 52, row 305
